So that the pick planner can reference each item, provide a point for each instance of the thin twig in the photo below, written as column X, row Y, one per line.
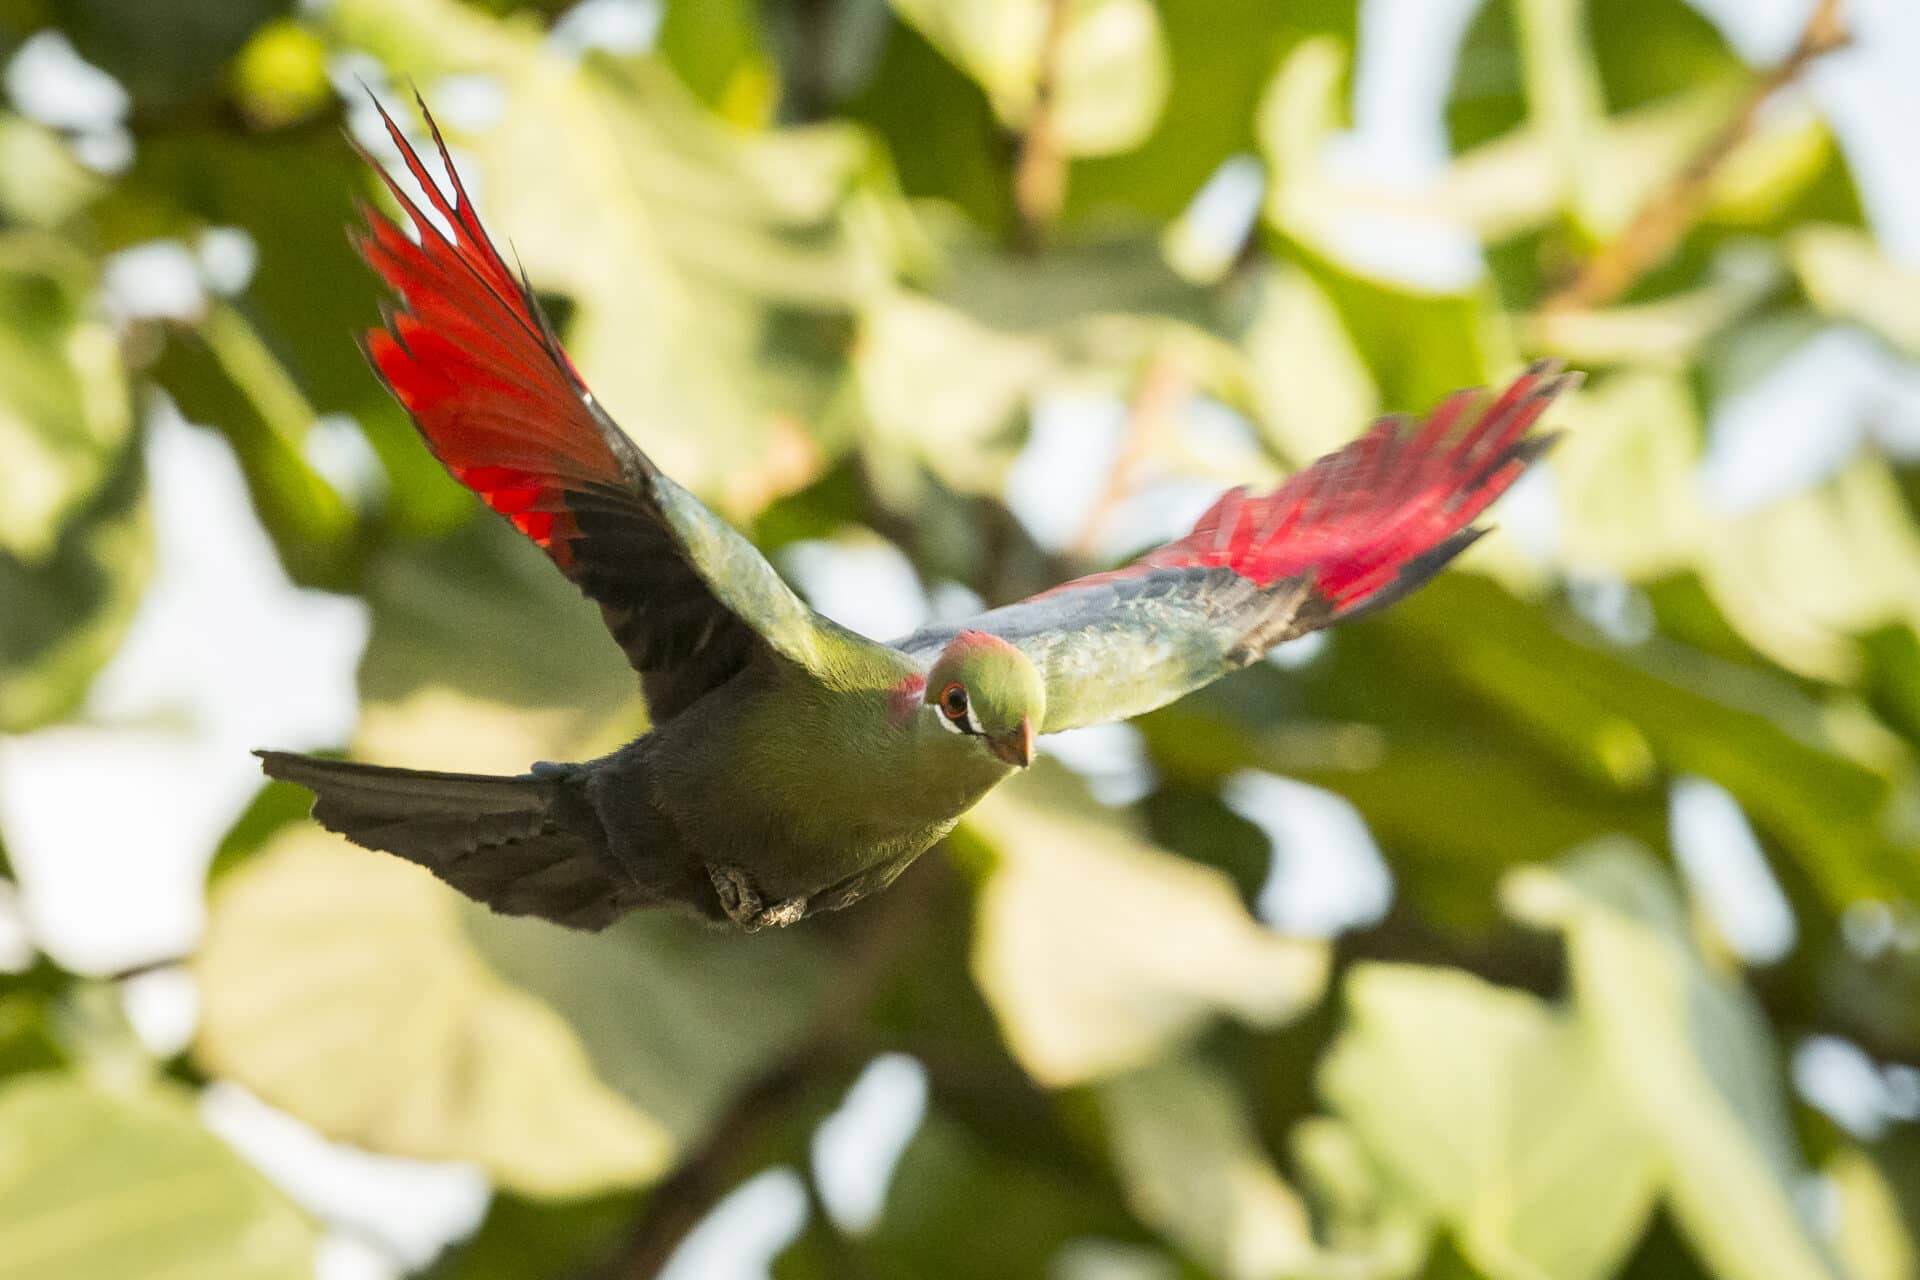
column 1657, row 230
column 891, row 922
column 1040, row 166
column 1163, row 388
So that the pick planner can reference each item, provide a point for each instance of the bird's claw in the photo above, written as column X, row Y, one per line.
column 744, row 905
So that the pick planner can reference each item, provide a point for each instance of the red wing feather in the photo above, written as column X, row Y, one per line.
column 1357, row 520
column 473, row 360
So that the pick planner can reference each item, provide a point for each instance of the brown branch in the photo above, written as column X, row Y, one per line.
column 881, row 932
column 1040, row 165
column 1163, row 388
column 1657, row 230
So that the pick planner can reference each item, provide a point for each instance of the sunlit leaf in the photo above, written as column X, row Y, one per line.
column 1185, row 1151
column 1096, row 949
column 103, row 1186
column 1110, row 66
column 1314, row 392
column 1632, row 445
column 716, row 49
column 1850, row 277
column 44, row 184
column 1222, row 54
column 1769, row 570
column 1496, row 1111
column 340, row 986
column 1689, row 1052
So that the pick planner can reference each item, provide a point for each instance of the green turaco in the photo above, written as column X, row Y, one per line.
column 793, row 765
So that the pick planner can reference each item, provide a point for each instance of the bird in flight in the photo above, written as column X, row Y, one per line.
column 792, row 765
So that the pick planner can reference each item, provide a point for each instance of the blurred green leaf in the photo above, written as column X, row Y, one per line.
column 1312, row 387
column 1222, row 53
column 300, row 1003
column 483, row 613
column 27, row 1041
column 1109, row 68
column 1185, row 1152
column 1096, row 949
column 1684, row 713
column 1418, row 345
column 65, row 416
column 674, row 1016
column 1689, row 1053
column 1632, row 444
column 523, row 1239
column 1769, row 570
column 1497, row 1113
column 939, row 130
column 716, row 49
column 1850, row 278
column 43, row 184
column 262, row 365
column 949, row 1184
column 65, row 616
column 222, row 374
column 1873, row 1241
column 103, row 1186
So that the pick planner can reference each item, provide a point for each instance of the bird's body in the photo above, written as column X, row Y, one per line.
column 794, row 766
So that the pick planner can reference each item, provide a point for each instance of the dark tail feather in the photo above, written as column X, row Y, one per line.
column 529, row 845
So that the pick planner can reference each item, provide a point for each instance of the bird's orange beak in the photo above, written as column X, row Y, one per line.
column 1016, row 745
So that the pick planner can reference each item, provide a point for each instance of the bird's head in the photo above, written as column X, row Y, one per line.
column 983, row 688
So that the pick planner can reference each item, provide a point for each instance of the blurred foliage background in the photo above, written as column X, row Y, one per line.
column 1560, row 922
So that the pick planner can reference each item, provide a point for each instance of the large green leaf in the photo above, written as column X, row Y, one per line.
column 1689, row 1052
column 1539, row 1136
column 674, row 1016
column 1096, row 949
column 341, row 986
column 106, row 1186
column 1497, row 1114
column 1670, row 707
column 1186, row 1154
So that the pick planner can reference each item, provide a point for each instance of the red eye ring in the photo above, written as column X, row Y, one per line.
column 953, row 702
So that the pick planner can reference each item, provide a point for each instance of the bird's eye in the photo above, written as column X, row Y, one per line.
column 953, row 702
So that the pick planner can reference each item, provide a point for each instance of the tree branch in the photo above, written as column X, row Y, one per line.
column 1657, row 230
column 1040, row 166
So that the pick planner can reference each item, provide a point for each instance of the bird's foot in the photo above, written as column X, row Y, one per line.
column 744, row 905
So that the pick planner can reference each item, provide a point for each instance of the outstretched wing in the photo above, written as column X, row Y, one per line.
column 1355, row 531
column 474, row 360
